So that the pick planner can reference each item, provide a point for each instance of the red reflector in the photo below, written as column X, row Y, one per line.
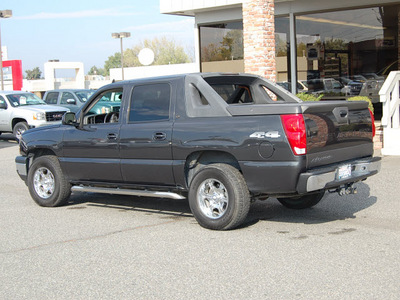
column 373, row 123
column 295, row 130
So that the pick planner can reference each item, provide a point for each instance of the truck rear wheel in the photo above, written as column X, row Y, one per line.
column 218, row 197
column 302, row 202
column 47, row 183
column 19, row 129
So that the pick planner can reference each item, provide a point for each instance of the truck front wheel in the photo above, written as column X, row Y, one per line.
column 218, row 197
column 19, row 129
column 47, row 183
column 302, row 202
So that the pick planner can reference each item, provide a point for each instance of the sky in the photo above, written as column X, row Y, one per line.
column 80, row 30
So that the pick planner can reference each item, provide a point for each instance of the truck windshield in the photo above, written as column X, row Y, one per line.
column 24, row 99
column 84, row 95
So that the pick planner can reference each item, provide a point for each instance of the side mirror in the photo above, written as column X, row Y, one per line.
column 3, row 105
column 69, row 118
column 71, row 101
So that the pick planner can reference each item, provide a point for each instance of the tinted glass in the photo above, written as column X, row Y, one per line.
column 150, row 103
column 234, row 93
column 84, row 95
column 66, row 96
column 51, row 98
column 221, row 47
column 109, row 101
column 282, row 50
column 349, row 48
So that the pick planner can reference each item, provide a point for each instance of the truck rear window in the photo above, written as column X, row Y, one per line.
column 235, row 90
column 234, row 93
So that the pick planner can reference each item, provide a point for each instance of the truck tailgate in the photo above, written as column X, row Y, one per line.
column 337, row 131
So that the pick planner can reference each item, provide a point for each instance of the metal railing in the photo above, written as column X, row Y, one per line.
column 390, row 97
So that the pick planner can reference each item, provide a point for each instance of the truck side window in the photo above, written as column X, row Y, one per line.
column 51, row 98
column 105, row 108
column 3, row 103
column 150, row 103
column 270, row 95
column 66, row 96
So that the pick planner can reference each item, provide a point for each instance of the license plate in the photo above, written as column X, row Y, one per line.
column 344, row 172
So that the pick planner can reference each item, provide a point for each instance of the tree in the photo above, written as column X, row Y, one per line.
column 301, row 49
column 281, row 46
column 113, row 61
column 95, row 71
column 230, row 48
column 165, row 52
column 35, row 73
column 232, row 45
column 211, row 52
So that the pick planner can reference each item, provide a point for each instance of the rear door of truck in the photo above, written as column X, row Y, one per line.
column 146, row 134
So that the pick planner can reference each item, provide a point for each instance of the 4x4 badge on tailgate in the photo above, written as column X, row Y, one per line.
column 269, row 134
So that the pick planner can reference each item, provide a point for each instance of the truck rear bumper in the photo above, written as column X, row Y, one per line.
column 332, row 177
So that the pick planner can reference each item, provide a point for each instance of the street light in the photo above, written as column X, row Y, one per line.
column 3, row 14
column 121, row 35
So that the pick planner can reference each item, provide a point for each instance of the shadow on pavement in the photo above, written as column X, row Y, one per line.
column 332, row 208
column 147, row 205
column 7, row 140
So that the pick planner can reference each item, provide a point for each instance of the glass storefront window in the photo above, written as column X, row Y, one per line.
column 347, row 53
column 282, row 52
column 221, row 47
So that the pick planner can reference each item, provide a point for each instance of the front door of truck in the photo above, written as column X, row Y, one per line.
column 145, row 136
column 91, row 150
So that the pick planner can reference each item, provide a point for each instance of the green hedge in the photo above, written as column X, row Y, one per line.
column 311, row 97
column 363, row 98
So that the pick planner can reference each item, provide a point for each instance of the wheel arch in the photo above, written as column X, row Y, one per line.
column 37, row 152
column 41, row 152
column 16, row 121
column 197, row 160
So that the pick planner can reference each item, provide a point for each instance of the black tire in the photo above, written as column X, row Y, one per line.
column 231, row 202
column 47, row 183
column 19, row 129
column 302, row 202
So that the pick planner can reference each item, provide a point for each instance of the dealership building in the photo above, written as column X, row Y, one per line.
column 338, row 48
column 294, row 40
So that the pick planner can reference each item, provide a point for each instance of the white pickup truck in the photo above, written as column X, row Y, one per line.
column 20, row 111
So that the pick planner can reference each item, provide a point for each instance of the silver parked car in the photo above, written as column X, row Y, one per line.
column 72, row 99
column 20, row 111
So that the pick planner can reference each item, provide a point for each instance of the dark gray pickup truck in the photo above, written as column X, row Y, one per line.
column 219, row 140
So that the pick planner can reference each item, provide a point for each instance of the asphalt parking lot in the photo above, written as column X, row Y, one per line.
column 119, row 247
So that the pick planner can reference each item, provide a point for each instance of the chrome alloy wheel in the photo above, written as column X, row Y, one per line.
column 44, row 183
column 18, row 133
column 212, row 198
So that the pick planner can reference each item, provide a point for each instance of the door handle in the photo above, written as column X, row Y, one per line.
column 112, row 136
column 159, row 136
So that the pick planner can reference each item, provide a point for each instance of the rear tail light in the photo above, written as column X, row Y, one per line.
column 373, row 122
column 295, row 130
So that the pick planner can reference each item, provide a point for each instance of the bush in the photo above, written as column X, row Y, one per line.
column 363, row 98
column 309, row 97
